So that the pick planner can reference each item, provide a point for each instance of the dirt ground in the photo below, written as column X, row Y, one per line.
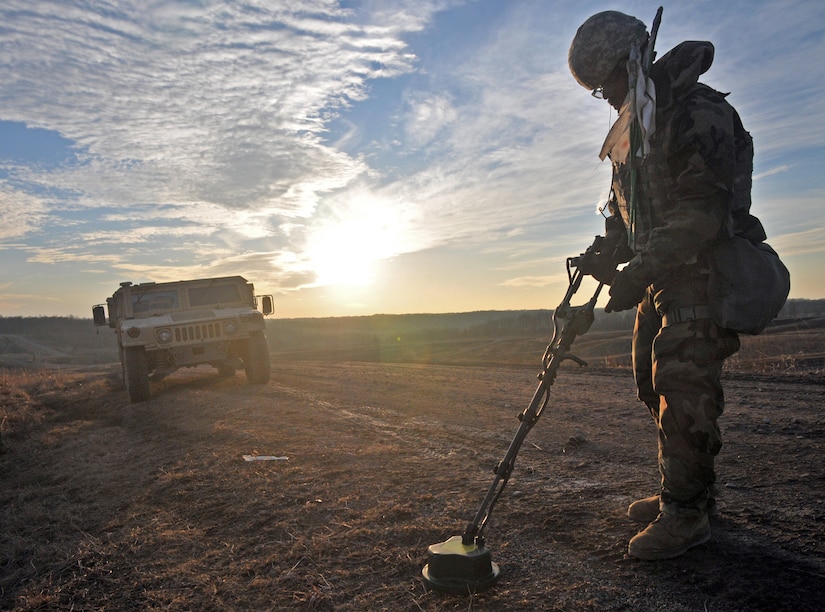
column 112, row 506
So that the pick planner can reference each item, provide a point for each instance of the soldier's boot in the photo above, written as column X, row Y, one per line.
column 670, row 535
column 646, row 510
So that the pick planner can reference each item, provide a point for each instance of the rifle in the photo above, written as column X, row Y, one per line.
column 461, row 566
column 635, row 131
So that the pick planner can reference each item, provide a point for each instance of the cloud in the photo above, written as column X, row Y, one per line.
column 21, row 212
column 224, row 103
column 771, row 172
column 531, row 281
column 193, row 120
column 427, row 116
column 499, row 145
column 215, row 136
column 227, row 105
column 769, row 58
column 805, row 242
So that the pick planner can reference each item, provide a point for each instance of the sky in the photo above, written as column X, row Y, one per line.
column 357, row 157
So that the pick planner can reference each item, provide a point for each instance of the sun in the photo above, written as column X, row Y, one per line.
column 345, row 251
column 343, row 255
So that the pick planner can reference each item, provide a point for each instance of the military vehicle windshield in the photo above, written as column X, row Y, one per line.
column 149, row 302
column 213, row 295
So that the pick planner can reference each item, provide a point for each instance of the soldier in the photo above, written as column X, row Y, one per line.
column 680, row 159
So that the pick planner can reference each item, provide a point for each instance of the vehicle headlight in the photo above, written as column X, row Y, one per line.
column 230, row 328
column 164, row 335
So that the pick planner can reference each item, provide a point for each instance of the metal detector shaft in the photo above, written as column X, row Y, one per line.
column 568, row 322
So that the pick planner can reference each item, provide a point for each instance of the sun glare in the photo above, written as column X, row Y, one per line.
column 345, row 252
column 343, row 256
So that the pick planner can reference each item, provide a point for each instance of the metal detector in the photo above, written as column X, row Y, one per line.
column 462, row 564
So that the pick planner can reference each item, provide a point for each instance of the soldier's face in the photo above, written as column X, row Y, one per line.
column 615, row 87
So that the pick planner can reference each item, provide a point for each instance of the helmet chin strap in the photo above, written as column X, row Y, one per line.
column 628, row 140
column 637, row 112
column 617, row 142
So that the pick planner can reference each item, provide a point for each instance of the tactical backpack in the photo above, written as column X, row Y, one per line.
column 748, row 283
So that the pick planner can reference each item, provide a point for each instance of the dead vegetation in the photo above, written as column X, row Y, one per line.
column 113, row 506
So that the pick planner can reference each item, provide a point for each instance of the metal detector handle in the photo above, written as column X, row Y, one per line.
column 568, row 322
column 473, row 532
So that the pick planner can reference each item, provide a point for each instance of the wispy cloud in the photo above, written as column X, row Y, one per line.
column 224, row 104
column 264, row 137
column 806, row 242
column 531, row 281
column 212, row 112
column 21, row 212
column 771, row 172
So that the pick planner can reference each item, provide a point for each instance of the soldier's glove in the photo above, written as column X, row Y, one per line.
column 615, row 240
column 624, row 293
column 601, row 259
column 600, row 266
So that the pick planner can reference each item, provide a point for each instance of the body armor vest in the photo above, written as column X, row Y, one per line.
column 655, row 181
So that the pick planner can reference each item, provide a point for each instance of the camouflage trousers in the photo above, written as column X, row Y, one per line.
column 677, row 361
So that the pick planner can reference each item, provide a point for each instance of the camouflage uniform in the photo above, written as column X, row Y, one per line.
column 685, row 187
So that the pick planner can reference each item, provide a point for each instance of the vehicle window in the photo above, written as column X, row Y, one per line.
column 209, row 296
column 154, row 301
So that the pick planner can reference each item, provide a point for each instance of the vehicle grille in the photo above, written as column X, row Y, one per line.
column 203, row 331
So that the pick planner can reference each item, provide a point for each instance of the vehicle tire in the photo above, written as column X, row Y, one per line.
column 136, row 373
column 122, row 369
column 256, row 360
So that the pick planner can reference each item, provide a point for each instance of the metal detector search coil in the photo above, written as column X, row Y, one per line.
column 455, row 567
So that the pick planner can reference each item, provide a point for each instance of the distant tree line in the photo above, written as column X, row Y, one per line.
column 801, row 307
column 374, row 330
column 60, row 332
column 381, row 330
column 42, row 326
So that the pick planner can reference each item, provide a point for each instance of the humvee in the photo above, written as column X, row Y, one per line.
column 161, row 327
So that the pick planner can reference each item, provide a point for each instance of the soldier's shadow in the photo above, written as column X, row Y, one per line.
column 741, row 570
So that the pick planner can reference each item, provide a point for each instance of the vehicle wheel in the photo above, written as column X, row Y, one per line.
column 122, row 369
column 256, row 360
column 136, row 373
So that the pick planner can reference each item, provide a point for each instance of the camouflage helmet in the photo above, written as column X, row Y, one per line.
column 601, row 43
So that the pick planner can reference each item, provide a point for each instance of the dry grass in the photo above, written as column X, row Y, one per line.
column 110, row 506
column 19, row 393
column 29, row 395
column 115, row 506
column 785, row 352
column 31, row 381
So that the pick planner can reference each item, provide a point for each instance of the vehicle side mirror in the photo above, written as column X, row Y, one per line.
column 267, row 307
column 99, row 315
